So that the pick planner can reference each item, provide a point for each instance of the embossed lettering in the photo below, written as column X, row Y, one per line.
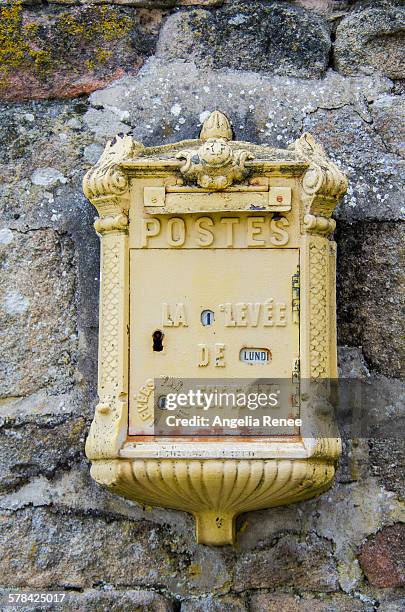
column 176, row 232
column 254, row 313
column 248, row 314
column 229, row 222
column 219, row 355
column 268, row 313
column 180, row 316
column 205, row 237
column 281, row 315
column 255, row 226
column 177, row 319
column 203, row 355
column 166, row 319
column 227, row 310
column 240, row 310
column 279, row 235
column 150, row 228
column 206, row 231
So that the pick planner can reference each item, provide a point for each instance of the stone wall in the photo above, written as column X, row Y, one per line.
column 73, row 74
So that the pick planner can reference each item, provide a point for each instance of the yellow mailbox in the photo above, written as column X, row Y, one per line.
column 215, row 263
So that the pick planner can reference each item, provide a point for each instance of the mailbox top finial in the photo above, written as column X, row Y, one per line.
column 217, row 125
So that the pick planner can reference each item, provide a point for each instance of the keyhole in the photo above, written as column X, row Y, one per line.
column 157, row 338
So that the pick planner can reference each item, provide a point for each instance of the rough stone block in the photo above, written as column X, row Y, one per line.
column 52, row 53
column 382, row 557
column 46, row 548
column 370, row 292
column 302, row 564
column 368, row 151
column 44, row 142
column 351, row 363
column 329, row 8
column 228, row 603
column 387, row 459
column 372, row 40
column 273, row 37
column 345, row 516
column 39, row 435
column 388, row 113
column 392, row 601
column 118, row 601
column 273, row 602
column 105, row 600
column 37, row 313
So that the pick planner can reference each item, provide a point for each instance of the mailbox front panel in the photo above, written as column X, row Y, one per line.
column 209, row 314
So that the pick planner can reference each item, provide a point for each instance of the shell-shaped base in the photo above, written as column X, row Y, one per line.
column 215, row 491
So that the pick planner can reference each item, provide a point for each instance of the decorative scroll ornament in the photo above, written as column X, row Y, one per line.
column 215, row 165
column 106, row 179
column 110, row 223
column 107, row 186
column 323, row 185
column 320, row 225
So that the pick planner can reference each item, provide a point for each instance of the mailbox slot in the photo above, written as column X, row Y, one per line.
column 169, row 200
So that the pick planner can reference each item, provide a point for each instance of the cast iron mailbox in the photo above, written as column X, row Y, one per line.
column 215, row 263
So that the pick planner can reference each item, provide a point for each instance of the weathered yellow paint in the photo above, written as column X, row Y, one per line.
column 180, row 226
column 256, row 285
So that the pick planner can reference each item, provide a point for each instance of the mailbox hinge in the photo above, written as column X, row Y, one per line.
column 295, row 303
column 296, row 371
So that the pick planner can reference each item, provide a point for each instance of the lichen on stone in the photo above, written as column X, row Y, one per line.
column 16, row 41
column 104, row 22
column 50, row 51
